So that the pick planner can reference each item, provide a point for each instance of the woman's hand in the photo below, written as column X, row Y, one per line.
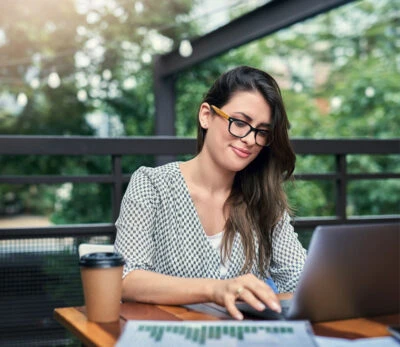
column 247, row 288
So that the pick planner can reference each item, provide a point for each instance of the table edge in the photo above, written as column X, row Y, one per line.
column 81, row 325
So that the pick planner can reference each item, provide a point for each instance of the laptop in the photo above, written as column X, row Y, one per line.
column 351, row 271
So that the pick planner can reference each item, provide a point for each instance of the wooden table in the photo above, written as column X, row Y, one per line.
column 100, row 334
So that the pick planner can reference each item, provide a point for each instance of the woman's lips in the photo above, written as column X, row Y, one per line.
column 243, row 153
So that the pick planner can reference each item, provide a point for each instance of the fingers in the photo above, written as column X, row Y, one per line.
column 259, row 294
column 256, row 293
column 249, row 297
column 231, row 307
column 259, row 304
column 249, row 289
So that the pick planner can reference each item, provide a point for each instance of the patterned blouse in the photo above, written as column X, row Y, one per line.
column 158, row 230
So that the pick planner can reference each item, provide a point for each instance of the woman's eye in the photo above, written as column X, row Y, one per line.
column 263, row 133
column 240, row 124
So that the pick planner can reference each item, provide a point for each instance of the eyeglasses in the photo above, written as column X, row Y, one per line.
column 240, row 129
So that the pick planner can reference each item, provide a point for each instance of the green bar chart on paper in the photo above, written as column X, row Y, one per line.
column 224, row 333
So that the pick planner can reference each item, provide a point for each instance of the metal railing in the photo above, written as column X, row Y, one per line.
column 115, row 148
column 39, row 265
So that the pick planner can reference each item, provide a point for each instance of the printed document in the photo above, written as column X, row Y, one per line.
column 217, row 333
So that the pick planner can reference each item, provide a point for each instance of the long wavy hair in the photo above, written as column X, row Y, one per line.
column 257, row 200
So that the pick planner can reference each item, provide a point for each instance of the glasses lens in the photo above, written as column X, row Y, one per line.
column 263, row 138
column 239, row 128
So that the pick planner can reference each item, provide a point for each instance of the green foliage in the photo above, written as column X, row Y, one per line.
column 373, row 163
column 373, row 197
column 339, row 79
column 114, row 76
column 305, row 120
column 87, row 203
column 315, row 164
column 338, row 73
column 315, row 198
column 32, row 40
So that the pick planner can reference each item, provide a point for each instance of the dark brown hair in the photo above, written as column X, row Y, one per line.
column 257, row 200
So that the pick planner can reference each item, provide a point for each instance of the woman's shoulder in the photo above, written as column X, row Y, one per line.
column 151, row 181
column 159, row 176
column 158, row 172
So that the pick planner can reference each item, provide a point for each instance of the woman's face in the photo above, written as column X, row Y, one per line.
column 228, row 151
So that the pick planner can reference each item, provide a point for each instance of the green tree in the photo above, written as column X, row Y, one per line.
column 338, row 73
column 100, row 58
column 339, row 78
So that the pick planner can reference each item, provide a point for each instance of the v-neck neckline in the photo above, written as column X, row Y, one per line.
column 199, row 227
column 190, row 199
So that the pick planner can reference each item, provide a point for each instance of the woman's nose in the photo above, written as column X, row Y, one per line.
column 250, row 138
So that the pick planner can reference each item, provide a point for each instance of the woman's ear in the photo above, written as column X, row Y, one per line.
column 204, row 115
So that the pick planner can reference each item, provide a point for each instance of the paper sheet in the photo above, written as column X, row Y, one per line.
column 370, row 342
column 220, row 333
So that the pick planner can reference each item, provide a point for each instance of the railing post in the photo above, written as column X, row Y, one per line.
column 117, row 186
column 341, row 187
column 165, row 99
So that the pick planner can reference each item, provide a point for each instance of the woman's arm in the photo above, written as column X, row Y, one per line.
column 155, row 288
column 288, row 256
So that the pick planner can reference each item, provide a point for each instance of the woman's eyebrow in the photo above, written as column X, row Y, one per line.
column 249, row 119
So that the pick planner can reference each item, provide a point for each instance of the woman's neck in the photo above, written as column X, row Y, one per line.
column 205, row 173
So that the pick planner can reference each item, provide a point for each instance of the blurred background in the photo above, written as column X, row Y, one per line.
column 86, row 68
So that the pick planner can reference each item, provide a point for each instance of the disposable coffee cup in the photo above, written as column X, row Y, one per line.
column 101, row 275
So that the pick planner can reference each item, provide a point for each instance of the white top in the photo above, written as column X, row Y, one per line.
column 216, row 241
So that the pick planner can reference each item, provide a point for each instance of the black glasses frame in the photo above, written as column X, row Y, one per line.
column 231, row 120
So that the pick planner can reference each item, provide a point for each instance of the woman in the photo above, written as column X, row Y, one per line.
column 212, row 228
